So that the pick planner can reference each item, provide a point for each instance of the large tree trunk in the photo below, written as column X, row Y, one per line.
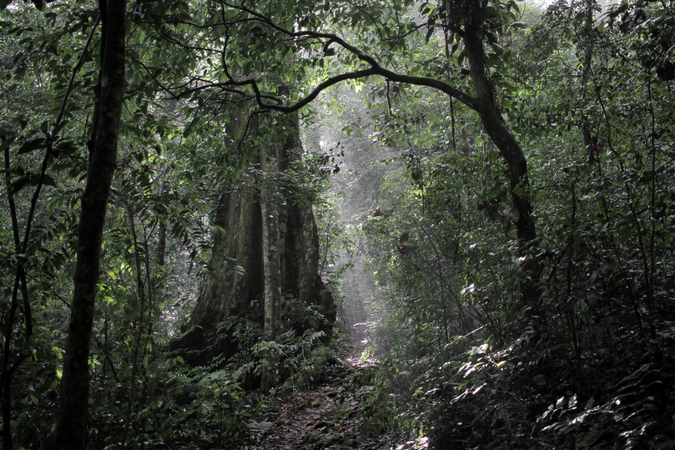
column 279, row 256
column 71, row 429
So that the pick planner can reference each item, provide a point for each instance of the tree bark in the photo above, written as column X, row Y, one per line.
column 271, row 240
column 271, row 251
column 270, row 271
column 71, row 428
column 510, row 149
column 587, row 48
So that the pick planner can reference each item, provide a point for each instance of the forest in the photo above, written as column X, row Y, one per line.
column 344, row 224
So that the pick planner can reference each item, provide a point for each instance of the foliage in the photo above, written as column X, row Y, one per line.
column 418, row 226
column 602, row 208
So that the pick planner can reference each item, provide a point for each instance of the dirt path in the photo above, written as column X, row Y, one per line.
column 325, row 418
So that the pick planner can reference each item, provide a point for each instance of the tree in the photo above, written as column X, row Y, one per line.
column 474, row 25
column 266, row 247
column 71, row 429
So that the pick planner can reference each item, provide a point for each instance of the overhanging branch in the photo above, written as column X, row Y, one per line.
column 375, row 68
column 315, row 92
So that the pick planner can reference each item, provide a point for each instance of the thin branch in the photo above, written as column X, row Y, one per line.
column 77, row 67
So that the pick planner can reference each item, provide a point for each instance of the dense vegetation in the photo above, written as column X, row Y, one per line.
column 494, row 187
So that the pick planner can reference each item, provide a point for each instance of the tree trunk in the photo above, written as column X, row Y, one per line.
column 586, row 48
column 513, row 154
column 271, row 251
column 271, row 240
column 271, row 272
column 71, row 429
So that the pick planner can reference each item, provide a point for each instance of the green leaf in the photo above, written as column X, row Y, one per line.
column 20, row 183
column 497, row 48
column 461, row 57
column 32, row 144
column 48, row 181
column 6, row 143
column 66, row 147
column 429, row 33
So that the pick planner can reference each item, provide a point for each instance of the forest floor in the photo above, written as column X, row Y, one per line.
column 332, row 415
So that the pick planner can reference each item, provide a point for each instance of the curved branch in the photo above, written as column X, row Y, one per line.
column 462, row 96
column 469, row 101
column 375, row 67
column 312, row 95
